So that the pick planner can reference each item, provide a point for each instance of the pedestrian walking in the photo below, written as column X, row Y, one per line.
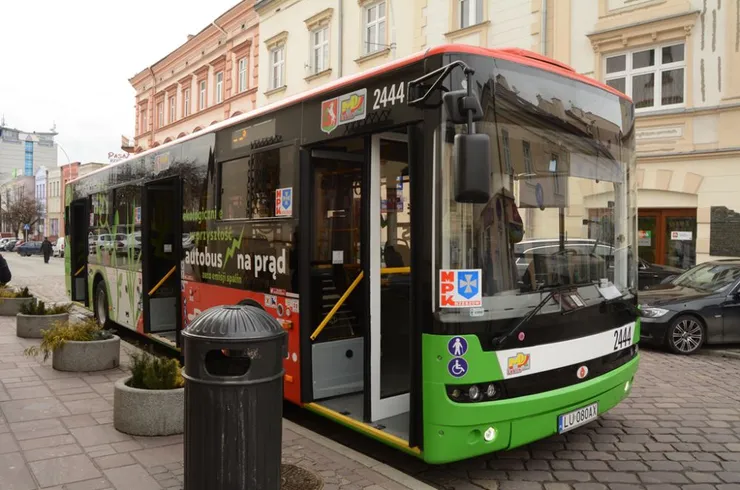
column 46, row 249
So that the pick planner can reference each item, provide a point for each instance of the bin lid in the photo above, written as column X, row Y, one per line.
column 234, row 322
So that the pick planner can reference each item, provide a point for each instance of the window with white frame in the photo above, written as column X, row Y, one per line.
column 527, row 152
column 507, row 151
column 186, row 103
column 471, row 12
column 374, row 32
column 277, row 66
column 655, row 78
column 143, row 122
column 173, row 109
column 160, row 114
column 202, row 95
column 320, row 49
column 242, row 74
column 219, row 95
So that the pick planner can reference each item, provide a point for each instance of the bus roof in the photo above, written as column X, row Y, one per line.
column 516, row 55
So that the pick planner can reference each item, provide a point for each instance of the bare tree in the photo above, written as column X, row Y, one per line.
column 24, row 210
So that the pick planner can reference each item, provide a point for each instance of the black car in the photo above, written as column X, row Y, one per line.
column 649, row 275
column 528, row 250
column 702, row 305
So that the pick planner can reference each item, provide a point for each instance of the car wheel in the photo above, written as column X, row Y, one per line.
column 101, row 304
column 686, row 335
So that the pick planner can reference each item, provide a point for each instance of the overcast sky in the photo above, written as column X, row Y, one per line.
column 68, row 62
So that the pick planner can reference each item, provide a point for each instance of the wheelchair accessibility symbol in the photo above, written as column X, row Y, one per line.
column 457, row 367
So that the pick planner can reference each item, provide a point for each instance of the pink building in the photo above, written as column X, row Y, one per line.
column 211, row 77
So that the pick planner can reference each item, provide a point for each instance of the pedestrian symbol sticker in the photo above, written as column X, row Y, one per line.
column 284, row 202
column 457, row 346
column 457, row 367
column 460, row 288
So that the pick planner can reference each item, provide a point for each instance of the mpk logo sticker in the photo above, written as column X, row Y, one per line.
column 460, row 288
column 344, row 109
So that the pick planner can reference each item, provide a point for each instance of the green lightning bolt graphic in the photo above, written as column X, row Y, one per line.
column 234, row 245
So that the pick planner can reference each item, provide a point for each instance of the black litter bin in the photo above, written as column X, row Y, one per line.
column 233, row 399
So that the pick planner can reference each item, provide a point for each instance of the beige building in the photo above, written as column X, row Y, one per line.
column 307, row 43
column 680, row 62
column 209, row 78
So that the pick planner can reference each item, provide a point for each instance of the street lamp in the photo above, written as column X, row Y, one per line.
column 69, row 160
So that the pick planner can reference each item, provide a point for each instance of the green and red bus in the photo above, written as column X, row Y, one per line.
column 433, row 334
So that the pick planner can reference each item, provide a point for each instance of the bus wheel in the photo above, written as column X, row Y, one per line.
column 101, row 305
column 685, row 335
column 250, row 302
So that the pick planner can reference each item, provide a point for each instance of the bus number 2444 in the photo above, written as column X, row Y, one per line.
column 390, row 94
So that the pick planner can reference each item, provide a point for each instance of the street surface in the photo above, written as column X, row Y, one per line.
column 680, row 428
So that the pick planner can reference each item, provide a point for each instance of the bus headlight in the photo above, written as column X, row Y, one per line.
column 479, row 392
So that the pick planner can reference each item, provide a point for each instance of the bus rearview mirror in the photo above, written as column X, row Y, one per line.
column 472, row 163
column 458, row 103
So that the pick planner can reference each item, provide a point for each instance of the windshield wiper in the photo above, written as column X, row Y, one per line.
column 557, row 288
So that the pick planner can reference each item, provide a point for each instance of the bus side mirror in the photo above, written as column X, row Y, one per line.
column 472, row 161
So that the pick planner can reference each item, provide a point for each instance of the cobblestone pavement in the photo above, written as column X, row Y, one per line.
column 56, row 433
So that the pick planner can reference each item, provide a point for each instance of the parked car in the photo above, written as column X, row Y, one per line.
column 58, row 247
column 647, row 274
column 29, row 248
column 700, row 306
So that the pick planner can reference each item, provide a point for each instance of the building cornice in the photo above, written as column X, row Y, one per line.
column 660, row 29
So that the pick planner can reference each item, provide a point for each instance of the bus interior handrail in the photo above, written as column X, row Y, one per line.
column 161, row 281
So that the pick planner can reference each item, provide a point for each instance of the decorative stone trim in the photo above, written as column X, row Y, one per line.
column 377, row 54
column 277, row 40
column 659, row 30
column 201, row 72
column 316, row 76
column 276, row 90
column 319, row 20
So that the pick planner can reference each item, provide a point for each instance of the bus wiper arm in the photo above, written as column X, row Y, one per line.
column 535, row 310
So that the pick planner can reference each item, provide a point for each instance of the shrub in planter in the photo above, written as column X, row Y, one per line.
column 12, row 299
column 150, row 402
column 35, row 316
column 79, row 347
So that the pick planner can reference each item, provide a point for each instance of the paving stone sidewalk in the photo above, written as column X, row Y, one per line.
column 56, row 432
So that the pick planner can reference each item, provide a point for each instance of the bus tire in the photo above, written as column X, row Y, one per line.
column 686, row 335
column 101, row 304
column 250, row 302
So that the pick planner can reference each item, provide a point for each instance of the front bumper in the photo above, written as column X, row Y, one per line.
column 653, row 330
column 458, row 435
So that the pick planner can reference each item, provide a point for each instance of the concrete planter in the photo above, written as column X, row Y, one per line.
column 12, row 306
column 148, row 412
column 30, row 326
column 84, row 357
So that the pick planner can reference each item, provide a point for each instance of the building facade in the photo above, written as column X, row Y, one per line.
column 211, row 77
column 40, row 194
column 54, row 207
column 307, row 43
column 22, row 152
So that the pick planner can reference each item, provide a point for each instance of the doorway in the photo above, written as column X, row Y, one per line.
column 78, row 249
column 667, row 237
column 360, row 272
column 161, row 252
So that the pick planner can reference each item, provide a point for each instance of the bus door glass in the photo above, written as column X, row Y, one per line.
column 161, row 247
column 78, row 249
column 338, row 289
column 390, row 281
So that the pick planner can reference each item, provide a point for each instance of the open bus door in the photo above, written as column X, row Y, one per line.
column 161, row 253
column 360, row 282
column 78, row 220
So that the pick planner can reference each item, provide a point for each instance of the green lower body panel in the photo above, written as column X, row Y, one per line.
column 454, row 432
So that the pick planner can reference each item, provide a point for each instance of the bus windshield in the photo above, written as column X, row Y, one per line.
column 562, row 207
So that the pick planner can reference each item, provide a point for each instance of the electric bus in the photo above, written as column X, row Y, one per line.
column 429, row 334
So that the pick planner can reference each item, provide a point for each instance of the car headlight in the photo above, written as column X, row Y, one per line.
column 652, row 312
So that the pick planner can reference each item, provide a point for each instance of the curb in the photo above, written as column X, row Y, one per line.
column 730, row 354
column 385, row 470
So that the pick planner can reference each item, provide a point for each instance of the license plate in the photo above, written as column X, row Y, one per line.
column 577, row 418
